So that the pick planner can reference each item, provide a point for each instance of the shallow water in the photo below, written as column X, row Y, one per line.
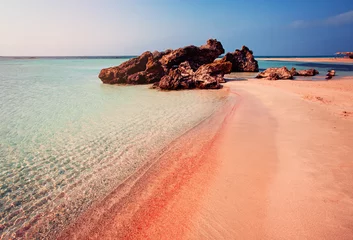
column 342, row 69
column 66, row 140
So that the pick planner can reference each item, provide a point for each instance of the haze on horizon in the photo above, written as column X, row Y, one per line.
column 108, row 27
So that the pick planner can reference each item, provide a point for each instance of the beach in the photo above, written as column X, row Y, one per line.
column 274, row 164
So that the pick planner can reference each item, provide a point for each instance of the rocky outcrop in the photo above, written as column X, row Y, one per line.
column 196, row 56
column 171, row 64
column 307, row 72
column 242, row 60
column 284, row 73
column 178, row 78
column 208, row 76
column 276, row 73
column 140, row 70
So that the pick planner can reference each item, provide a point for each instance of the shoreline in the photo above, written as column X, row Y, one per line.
column 220, row 188
column 317, row 60
column 124, row 204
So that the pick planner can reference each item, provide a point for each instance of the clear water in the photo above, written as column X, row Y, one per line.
column 66, row 140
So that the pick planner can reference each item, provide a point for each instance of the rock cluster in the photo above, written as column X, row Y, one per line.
column 284, row 73
column 243, row 60
column 183, row 68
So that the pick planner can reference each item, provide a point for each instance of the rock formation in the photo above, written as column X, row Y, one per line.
column 196, row 56
column 284, row 73
column 183, row 68
column 307, row 72
column 173, row 69
column 276, row 73
column 243, row 60
column 208, row 76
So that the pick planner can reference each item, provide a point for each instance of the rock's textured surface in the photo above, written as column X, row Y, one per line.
column 196, row 56
column 178, row 78
column 243, row 60
column 127, row 70
column 208, row 76
column 173, row 69
column 276, row 73
column 284, row 73
column 307, row 72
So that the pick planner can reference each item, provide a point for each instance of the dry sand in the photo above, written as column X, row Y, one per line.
column 328, row 60
column 277, row 164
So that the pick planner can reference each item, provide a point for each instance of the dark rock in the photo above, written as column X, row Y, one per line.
column 242, row 60
column 123, row 72
column 179, row 78
column 308, row 72
column 276, row 73
column 208, row 76
column 196, row 56
column 330, row 74
column 140, row 70
column 152, row 67
column 293, row 71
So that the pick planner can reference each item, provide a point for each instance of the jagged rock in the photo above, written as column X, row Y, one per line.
column 242, row 60
column 293, row 71
column 196, row 56
column 179, row 78
column 121, row 73
column 140, row 70
column 208, row 76
column 275, row 74
column 308, row 72
column 284, row 73
column 151, row 67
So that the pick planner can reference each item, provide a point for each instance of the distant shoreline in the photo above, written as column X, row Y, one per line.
column 314, row 59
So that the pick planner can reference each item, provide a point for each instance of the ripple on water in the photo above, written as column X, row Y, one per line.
column 67, row 140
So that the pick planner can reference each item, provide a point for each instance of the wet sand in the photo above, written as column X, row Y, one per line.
column 324, row 60
column 276, row 163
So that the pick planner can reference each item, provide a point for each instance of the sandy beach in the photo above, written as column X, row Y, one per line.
column 323, row 60
column 275, row 163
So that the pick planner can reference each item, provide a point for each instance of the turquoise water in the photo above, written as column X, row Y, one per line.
column 66, row 140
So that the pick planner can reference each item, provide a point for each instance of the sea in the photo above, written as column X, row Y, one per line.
column 67, row 140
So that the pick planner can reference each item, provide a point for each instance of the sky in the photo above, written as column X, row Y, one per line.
column 130, row 27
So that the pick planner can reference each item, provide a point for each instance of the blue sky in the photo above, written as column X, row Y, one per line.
column 107, row 27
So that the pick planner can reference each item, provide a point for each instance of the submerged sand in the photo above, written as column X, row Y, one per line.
column 275, row 163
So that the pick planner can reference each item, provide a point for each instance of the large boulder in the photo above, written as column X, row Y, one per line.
column 120, row 74
column 208, row 76
column 196, row 56
column 140, row 70
column 242, row 60
column 276, row 73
